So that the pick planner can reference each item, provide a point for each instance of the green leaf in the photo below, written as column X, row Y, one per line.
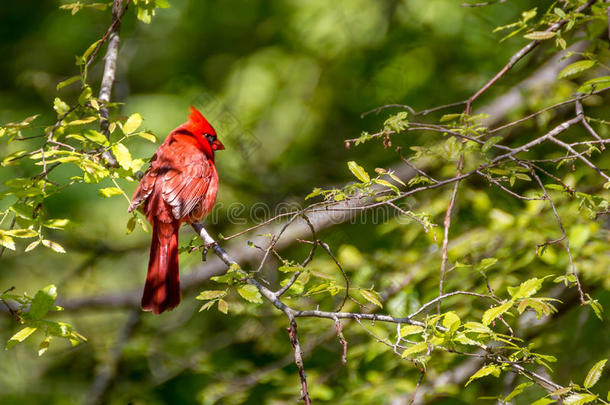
column 32, row 246
column 518, row 390
column 57, row 223
column 133, row 122
column 594, row 84
column 43, row 302
column 371, row 296
column 451, row 321
column 90, row 50
column 44, row 345
column 85, row 95
column 20, row 336
column 579, row 399
column 540, row 35
column 86, row 120
column 575, row 68
column 60, row 106
column 67, row 82
column 122, row 155
column 543, row 401
column 22, row 233
column 109, row 191
column 358, row 171
column 490, row 369
column 250, row 293
column 223, row 306
column 450, row 117
column 131, row 224
column 206, row 306
column 410, row 330
column 387, row 184
column 56, row 247
column 594, row 374
column 211, row 294
column 491, row 142
column 416, row 348
column 97, row 137
column 7, row 241
column 10, row 159
column 477, row 327
column 493, row 313
column 396, row 178
column 597, row 308
column 148, row 136
column 528, row 288
column 487, row 262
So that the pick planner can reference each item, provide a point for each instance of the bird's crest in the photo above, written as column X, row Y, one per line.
column 197, row 120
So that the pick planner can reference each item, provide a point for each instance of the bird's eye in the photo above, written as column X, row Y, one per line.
column 209, row 137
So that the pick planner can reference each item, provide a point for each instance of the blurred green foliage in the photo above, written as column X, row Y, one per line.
column 285, row 83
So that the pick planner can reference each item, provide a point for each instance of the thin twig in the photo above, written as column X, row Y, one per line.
column 298, row 360
column 447, row 225
column 563, row 233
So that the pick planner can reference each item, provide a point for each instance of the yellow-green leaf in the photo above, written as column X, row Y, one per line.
column 416, row 348
column 148, row 136
column 528, row 288
column 490, row 369
column 57, row 223
column 410, row 330
column 85, row 95
column 371, row 296
column 579, row 399
column 223, row 306
column 109, row 191
column 22, row 233
column 358, row 171
column 493, row 313
column 32, row 245
column 83, row 121
column 67, row 82
column 575, row 68
column 53, row 246
column 122, row 155
column 451, row 321
column 7, row 241
column 44, row 345
column 20, row 336
column 543, row 401
column 540, row 35
column 97, row 137
column 250, row 293
column 132, row 123
column 477, row 328
column 594, row 374
column 211, row 294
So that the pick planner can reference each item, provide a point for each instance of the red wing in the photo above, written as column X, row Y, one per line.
column 145, row 188
column 186, row 187
column 179, row 173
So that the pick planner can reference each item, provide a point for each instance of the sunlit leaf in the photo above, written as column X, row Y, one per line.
column 495, row 312
column 594, row 374
column 250, row 293
column 575, row 68
column 133, row 122
column 358, row 171
column 490, row 369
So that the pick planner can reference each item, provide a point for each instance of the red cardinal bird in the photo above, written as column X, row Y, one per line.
column 179, row 186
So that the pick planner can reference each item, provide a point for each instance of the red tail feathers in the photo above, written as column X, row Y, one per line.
column 162, row 289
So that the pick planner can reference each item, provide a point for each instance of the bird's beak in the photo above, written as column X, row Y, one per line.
column 217, row 145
